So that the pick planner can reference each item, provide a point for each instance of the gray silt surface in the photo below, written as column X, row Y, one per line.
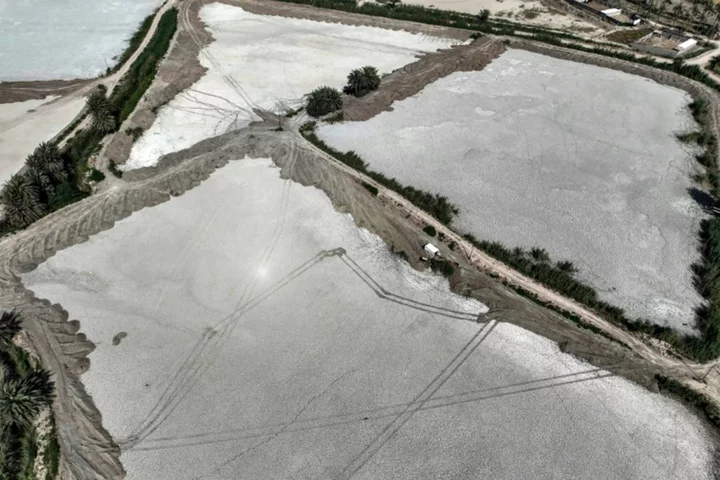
column 578, row 159
column 311, row 376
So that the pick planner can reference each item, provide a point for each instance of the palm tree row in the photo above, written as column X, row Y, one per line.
column 28, row 195
column 103, row 112
column 24, row 392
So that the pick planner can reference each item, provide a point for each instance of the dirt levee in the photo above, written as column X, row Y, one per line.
column 412, row 78
column 252, row 290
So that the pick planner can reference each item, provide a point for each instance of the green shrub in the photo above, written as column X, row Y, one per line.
column 371, row 188
column 51, row 456
column 96, row 175
column 362, row 81
column 442, row 266
column 112, row 166
column 135, row 133
column 696, row 400
column 322, row 101
column 430, row 230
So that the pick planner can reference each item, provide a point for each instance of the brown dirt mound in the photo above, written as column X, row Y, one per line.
column 412, row 78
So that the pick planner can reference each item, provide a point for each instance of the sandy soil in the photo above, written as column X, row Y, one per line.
column 335, row 380
column 518, row 151
column 23, row 125
column 45, row 39
column 15, row 92
column 549, row 14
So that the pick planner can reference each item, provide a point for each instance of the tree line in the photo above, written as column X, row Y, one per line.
column 25, row 390
column 53, row 178
column 437, row 205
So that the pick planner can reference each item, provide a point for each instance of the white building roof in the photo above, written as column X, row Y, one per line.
column 432, row 249
column 612, row 11
column 689, row 43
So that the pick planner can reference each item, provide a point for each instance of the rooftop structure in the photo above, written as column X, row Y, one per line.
column 665, row 44
column 613, row 15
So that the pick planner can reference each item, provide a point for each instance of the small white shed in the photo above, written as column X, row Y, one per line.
column 431, row 249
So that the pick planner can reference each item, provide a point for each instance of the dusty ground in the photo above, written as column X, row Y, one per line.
column 319, row 399
column 23, row 125
column 12, row 92
column 548, row 14
column 532, row 142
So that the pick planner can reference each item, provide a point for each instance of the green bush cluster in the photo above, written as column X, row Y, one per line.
column 362, row 81
column 133, row 44
column 371, row 188
column 437, row 205
column 135, row 133
column 39, row 188
column 322, row 101
column 430, row 230
column 112, row 166
column 697, row 400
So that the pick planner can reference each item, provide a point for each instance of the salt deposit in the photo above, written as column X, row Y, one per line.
column 575, row 158
column 48, row 40
column 260, row 61
column 214, row 380
column 22, row 128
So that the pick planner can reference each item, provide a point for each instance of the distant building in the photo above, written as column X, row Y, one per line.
column 612, row 15
column 665, row 43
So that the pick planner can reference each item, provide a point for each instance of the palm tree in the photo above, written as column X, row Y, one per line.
column 361, row 81
column 97, row 101
column 483, row 16
column 104, row 121
column 10, row 454
column 567, row 266
column 9, row 327
column 540, row 254
column 21, row 200
column 48, row 159
column 102, row 111
column 21, row 399
column 44, row 184
column 323, row 100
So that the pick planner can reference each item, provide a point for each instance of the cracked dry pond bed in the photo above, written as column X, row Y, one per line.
column 269, row 337
column 578, row 159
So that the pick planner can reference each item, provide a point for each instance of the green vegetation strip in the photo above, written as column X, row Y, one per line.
column 553, row 276
column 53, row 179
column 437, row 205
column 696, row 400
column 134, row 43
column 142, row 72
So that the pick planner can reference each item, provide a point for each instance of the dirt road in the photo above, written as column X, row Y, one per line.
column 112, row 81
